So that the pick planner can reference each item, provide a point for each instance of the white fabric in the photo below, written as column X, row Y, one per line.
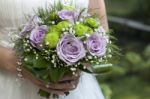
column 11, row 16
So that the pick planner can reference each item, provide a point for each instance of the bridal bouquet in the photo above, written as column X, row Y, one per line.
column 60, row 40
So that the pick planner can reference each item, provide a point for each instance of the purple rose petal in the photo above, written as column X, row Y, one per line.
column 28, row 26
column 68, row 15
column 37, row 35
column 70, row 49
column 96, row 45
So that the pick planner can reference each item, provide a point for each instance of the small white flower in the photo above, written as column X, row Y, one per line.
column 77, row 22
column 53, row 22
column 73, row 69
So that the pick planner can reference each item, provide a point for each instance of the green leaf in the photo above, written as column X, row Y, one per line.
column 104, row 68
column 85, row 70
column 29, row 60
column 40, row 63
column 30, row 68
column 44, row 93
column 57, row 73
column 43, row 75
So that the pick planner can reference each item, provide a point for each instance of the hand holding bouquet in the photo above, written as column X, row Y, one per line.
column 60, row 40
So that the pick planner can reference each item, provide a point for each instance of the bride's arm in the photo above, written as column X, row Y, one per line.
column 8, row 62
column 98, row 7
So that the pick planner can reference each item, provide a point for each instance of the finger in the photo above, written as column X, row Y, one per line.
column 60, row 86
column 65, row 86
column 52, row 91
column 75, row 83
column 70, row 78
column 74, row 86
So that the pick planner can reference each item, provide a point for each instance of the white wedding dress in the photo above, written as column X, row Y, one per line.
column 11, row 16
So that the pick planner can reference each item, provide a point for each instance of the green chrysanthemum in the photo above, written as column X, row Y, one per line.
column 89, row 30
column 62, row 25
column 81, row 30
column 51, row 39
column 91, row 22
column 54, row 28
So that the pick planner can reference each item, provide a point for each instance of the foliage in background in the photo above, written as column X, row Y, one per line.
column 141, row 11
column 130, row 78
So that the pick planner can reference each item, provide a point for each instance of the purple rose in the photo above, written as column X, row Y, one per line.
column 96, row 45
column 68, row 15
column 70, row 49
column 37, row 35
column 28, row 26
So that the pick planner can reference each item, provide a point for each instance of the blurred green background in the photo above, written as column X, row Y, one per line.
column 130, row 78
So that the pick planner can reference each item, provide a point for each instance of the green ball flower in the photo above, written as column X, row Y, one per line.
column 63, row 24
column 89, row 30
column 91, row 22
column 51, row 39
column 68, row 7
column 81, row 30
column 53, row 28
